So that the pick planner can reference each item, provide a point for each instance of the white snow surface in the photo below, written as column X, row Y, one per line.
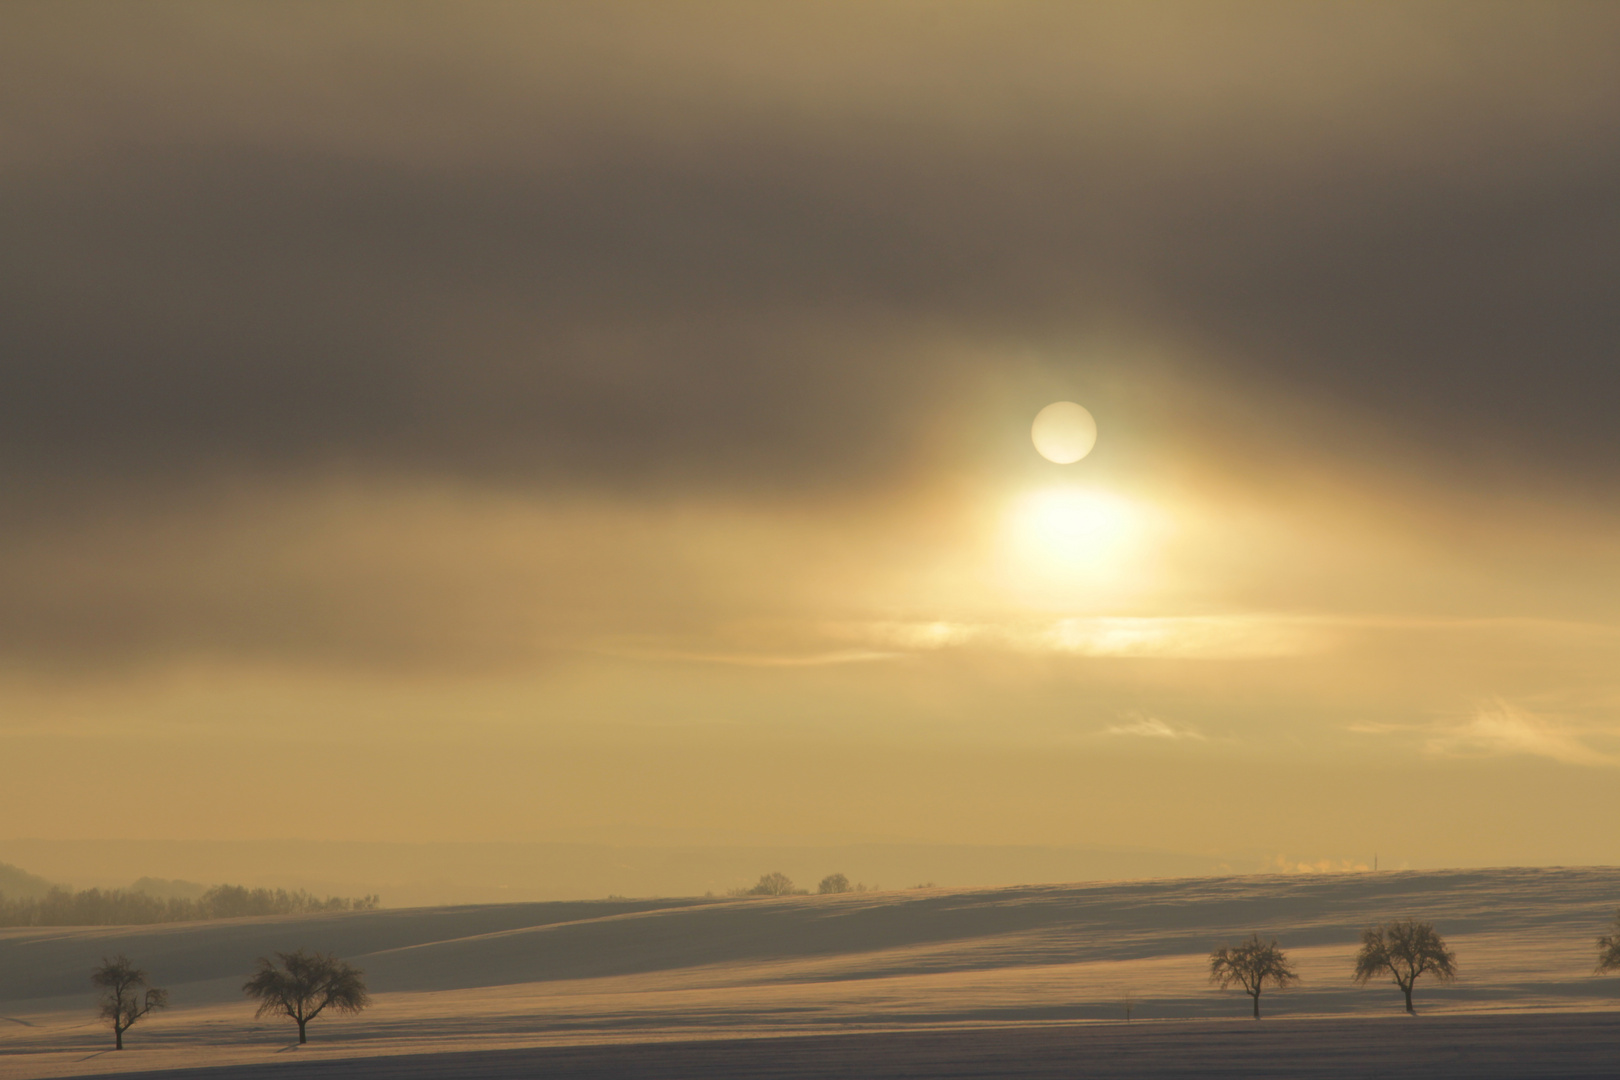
column 471, row 979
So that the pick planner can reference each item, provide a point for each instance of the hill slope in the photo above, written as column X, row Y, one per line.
column 17, row 883
column 525, row 974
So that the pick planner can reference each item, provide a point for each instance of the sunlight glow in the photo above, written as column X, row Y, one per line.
column 1071, row 526
column 1064, row 544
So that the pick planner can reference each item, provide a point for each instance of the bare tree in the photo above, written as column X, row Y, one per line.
column 833, row 883
column 1609, row 948
column 1251, row 965
column 775, row 883
column 123, row 1002
column 306, row 985
column 1405, row 949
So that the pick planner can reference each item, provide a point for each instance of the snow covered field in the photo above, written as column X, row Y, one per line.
column 1020, row 981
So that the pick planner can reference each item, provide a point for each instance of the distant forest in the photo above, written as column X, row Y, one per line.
column 118, row 907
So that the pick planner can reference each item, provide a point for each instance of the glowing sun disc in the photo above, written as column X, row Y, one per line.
column 1064, row 432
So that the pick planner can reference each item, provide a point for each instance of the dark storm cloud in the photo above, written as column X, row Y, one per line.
column 725, row 246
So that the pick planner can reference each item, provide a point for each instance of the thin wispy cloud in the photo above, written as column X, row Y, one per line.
column 1151, row 727
column 1212, row 637
column 743, row 659
column 1373, row 727
column 1500, row 728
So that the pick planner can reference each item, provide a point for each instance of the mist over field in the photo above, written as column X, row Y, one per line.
column 406, row 874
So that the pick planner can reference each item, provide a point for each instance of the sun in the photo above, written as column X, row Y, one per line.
column 1063, row 432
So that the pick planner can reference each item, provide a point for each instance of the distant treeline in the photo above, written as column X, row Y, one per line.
column 777, row 883
column 118, row 907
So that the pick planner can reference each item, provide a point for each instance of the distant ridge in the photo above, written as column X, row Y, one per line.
column 409, row 874
column 18, row 884
column 1525, row 939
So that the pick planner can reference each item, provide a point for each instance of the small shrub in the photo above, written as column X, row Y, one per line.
column 1609, row 948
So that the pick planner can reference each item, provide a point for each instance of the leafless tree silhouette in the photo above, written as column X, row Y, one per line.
column 123, row 1002
column 834, row 883
column 1405, row 949
column 1609, row 948
column 306, row 985
column 775, row 883
column 1251, row 965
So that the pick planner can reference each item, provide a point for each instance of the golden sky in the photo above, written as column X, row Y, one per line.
column 610, row 422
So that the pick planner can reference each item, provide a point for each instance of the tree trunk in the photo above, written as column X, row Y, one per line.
column 1407, row 990
column 1257, row 1006
column 118, row 1037
column 302, row 1038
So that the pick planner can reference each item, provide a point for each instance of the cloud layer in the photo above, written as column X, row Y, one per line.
column 743, row 246
column 637, row 396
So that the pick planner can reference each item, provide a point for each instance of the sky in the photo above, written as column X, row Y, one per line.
column 610, row 423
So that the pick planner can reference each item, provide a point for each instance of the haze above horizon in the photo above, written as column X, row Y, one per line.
column 612, row 424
